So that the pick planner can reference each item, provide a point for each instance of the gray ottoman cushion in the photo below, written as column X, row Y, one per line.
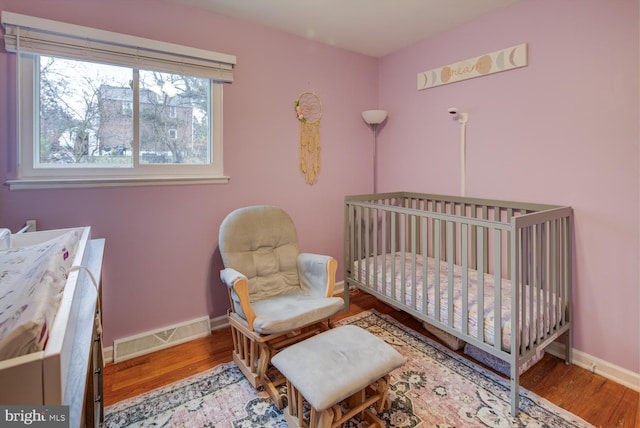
column 334, row 365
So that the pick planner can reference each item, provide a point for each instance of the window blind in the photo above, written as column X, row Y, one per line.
column 46, row 37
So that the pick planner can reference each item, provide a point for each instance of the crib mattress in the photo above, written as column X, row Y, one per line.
column 32, row 280
column 372, row 269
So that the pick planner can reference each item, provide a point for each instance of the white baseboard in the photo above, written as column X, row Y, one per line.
column 107, row 354
column 144, row 343
column 596, row 365
column 214, row 324
column 218, row 322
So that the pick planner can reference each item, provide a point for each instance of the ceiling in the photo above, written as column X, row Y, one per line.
column 370, row 27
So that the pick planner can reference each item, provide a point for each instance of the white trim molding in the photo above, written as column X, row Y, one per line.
column 595, row 365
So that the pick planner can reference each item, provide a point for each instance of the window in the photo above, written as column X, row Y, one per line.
column 100, row 115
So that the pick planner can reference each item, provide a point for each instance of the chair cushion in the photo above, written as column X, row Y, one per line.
column 292, row 311
column 261, row 242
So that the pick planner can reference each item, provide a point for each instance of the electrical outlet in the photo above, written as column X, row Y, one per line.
column 32, row 225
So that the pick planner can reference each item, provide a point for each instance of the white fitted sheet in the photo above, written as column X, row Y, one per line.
column 393, row 288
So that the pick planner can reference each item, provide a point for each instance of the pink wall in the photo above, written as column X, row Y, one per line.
column 563, row 130
column 161, row 263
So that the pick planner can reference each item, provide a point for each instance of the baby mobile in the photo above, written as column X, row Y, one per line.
column 309, row 111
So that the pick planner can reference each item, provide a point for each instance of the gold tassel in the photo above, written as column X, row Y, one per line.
column 310, row 151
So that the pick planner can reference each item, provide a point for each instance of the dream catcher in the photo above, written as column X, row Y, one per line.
column 309, row 111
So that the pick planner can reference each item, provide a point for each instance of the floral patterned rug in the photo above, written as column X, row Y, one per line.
column 435, row 388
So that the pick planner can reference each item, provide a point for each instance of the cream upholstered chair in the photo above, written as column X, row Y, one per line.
column 278, row 296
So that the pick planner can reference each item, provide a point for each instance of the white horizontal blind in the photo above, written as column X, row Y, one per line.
column 46, row 37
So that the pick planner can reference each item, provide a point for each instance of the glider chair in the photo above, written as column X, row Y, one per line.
column 277, row 295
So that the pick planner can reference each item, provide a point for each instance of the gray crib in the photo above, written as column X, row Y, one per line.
column 495, row 274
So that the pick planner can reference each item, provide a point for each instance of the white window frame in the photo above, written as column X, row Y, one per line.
column 23, row 29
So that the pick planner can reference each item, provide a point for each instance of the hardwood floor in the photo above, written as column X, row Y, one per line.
column 594, row 398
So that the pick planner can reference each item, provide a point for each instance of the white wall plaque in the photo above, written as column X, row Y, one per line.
column 494, row 62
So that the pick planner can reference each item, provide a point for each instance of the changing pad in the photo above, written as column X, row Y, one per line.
column 32, row 280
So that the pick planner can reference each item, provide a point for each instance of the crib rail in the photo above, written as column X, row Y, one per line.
column 483, row 253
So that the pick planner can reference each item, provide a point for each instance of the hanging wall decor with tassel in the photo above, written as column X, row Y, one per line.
column 309, row 112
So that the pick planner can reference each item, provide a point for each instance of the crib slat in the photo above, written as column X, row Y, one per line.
column 425, row 266
column 403, row 258
column 360, row 250
column 546, row 295
column 509, row 217
column 443, row 242
column 465, row 280
column 367, row 252
column 522, row 304
column 413, row 233
column 436, row 265
column 480, row 264
column 566, row 266
column 375, row 213
column 497, row 300
column 523, row 281
column 553, row 269
column 450, row 283
column 474, row 238
column 383, row 261
column 540, row 263
column 531, row 284
column 393, row 254
column 515, row 337
column 485, row 216
column 354, row 237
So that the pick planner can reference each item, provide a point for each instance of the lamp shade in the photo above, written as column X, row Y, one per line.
column 374, row 117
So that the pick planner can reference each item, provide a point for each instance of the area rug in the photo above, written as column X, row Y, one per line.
column 435, row 388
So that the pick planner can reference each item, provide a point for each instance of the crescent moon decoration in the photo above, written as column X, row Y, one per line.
column 308, row 109
column 482, row 65
column 512, row 57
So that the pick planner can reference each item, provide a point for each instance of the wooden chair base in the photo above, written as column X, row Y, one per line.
column 252, row 352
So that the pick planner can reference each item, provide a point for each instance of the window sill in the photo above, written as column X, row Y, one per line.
column 75, row 183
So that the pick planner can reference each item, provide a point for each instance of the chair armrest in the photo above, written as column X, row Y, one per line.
column 317, row 273
column 239, row 286
column 229, row 276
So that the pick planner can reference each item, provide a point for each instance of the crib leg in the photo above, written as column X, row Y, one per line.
column 568, row 347
column 515, row 386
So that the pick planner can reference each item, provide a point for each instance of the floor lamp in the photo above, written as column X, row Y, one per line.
column 373, row 119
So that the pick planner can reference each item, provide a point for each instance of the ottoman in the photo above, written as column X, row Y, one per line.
column 336, row 375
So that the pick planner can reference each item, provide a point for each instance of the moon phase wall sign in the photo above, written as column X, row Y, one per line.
column 494, row 62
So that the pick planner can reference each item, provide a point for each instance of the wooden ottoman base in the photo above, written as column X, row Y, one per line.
column 336, row 375
column 299, row 414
